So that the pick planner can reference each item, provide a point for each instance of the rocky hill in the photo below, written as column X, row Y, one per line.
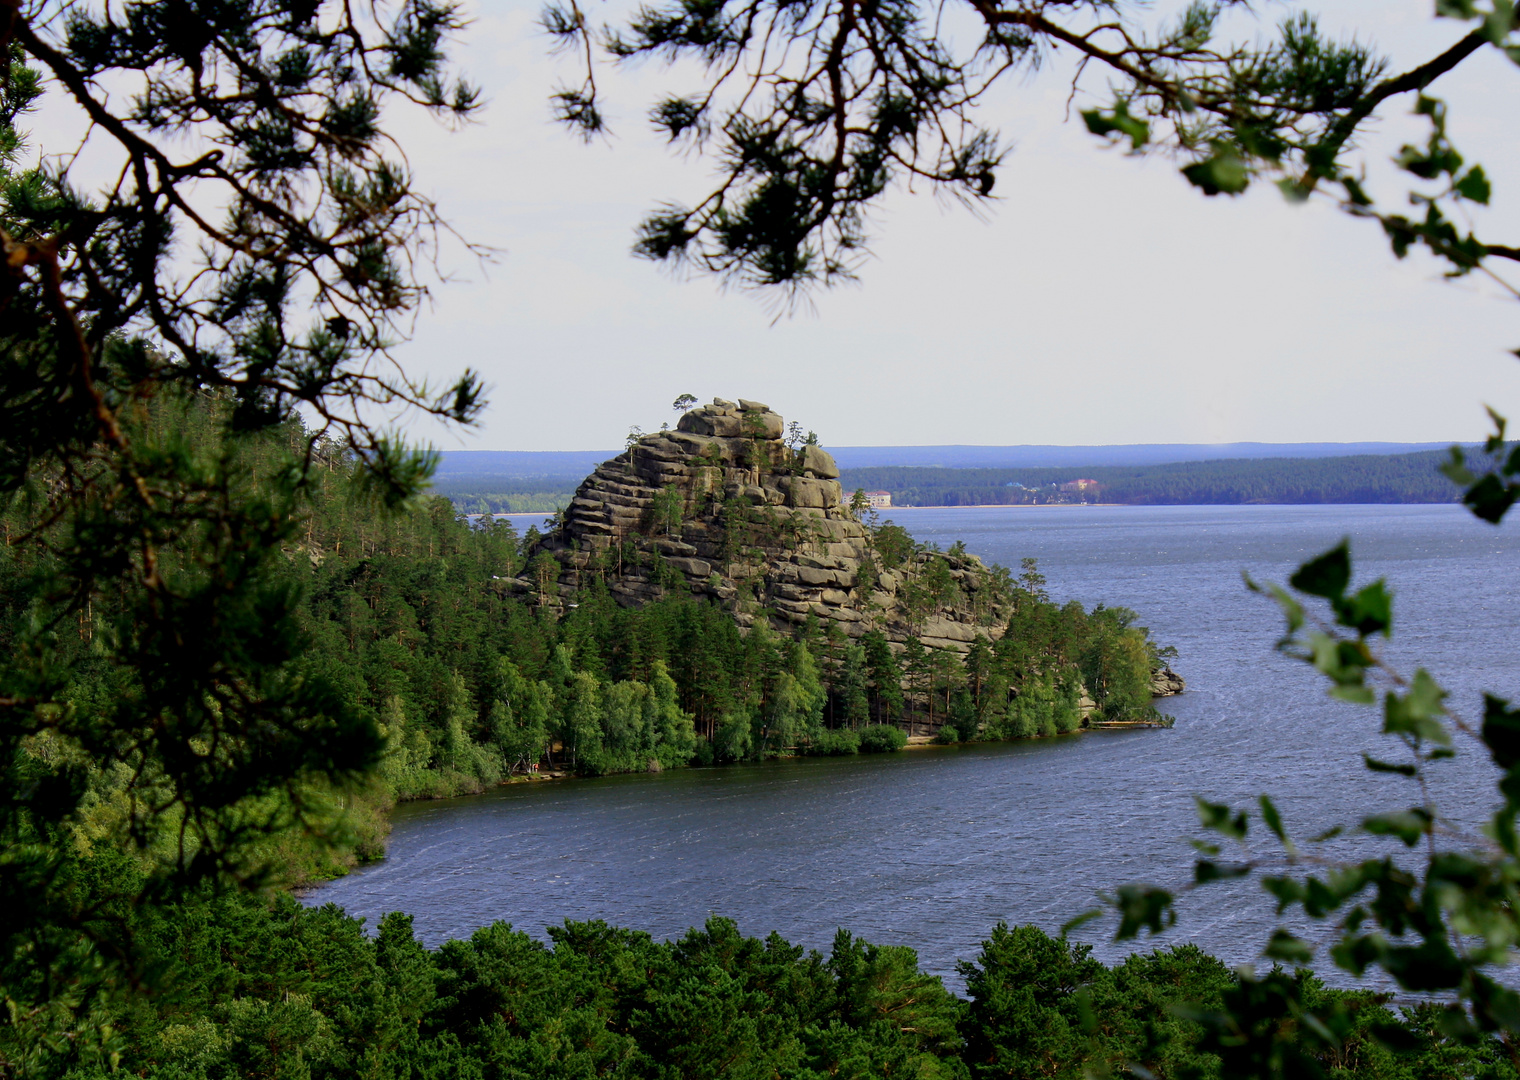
column 727, row 506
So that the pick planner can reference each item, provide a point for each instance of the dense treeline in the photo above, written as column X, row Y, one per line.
column 257, row 989
column 506, row 493
column 511, row 502
column 1365, row 478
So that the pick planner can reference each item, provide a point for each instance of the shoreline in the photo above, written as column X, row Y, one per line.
column 885, row 511
column 915, row 742
column 307, row 884
column 1032, row 506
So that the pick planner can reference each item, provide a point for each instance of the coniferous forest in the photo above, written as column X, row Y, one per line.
column 405, row 617
column 255, row 989
column 230, row 641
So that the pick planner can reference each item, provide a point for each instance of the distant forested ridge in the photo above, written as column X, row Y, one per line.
column 1363, row 478
column 1343, row 478
column 507, row 493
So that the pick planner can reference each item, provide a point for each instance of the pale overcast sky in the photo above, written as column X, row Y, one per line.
column 1102, row 301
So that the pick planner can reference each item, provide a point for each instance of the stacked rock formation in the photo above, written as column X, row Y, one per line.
column 1166, row 683
column 723, row 507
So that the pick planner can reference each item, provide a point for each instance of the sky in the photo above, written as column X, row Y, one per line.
column 1099, row 300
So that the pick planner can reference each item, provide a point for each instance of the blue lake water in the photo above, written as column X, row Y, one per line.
column 931, row 847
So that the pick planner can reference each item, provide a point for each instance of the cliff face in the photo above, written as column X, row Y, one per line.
column 723, row 507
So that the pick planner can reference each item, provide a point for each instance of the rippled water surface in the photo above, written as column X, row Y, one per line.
column 931, row 847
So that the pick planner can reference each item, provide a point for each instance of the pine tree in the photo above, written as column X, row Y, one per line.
column 886, row 678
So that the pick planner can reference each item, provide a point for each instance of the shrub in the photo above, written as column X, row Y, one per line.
column 732, row 740
column 882, row 739
column 835, row 744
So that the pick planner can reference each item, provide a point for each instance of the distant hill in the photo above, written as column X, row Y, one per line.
column 458, row 465
column 1018, row 457
column 541, row 481
column 1361, row 478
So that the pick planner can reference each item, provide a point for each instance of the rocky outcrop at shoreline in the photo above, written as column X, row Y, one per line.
column 1167, row 683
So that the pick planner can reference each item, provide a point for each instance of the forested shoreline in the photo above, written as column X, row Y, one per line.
column 410, row 620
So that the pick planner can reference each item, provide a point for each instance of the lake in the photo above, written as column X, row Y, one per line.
column 930, row 848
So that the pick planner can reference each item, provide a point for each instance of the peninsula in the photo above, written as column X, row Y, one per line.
column 739, row 523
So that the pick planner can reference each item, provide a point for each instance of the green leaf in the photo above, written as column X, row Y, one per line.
column 1079, row 921
column 1288, row 949
column 1431, row 965
column 1495, row 442
column 1455, row 868
column 1489, row 499
column 1388, row 767
column 1327, row 575
column 1118, row 122
column 1407, row 825
column 1142, row 907
column 1399, row 1038
column 1498, row 1007
column 1345, row 662
column 1501, row 731
column 1295, row 191
column 1273, row 821
column 1434, row 108
column 1500, row 21
column 1355, row 193
column 1356, row 953
column 1319, row 898
column 1292, row 610
column 1287, row 891
column 1418, row 711
column 1456, row 469
column 1207, row 870
column 1370, row 611
column 1474, row 186
column 1222, row 173
column 1219, row 818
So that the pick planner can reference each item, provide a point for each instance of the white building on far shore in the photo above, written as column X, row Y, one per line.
column 880, row 500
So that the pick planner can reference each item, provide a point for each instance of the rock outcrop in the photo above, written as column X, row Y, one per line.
column 724, row 507
column 1166, row 683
